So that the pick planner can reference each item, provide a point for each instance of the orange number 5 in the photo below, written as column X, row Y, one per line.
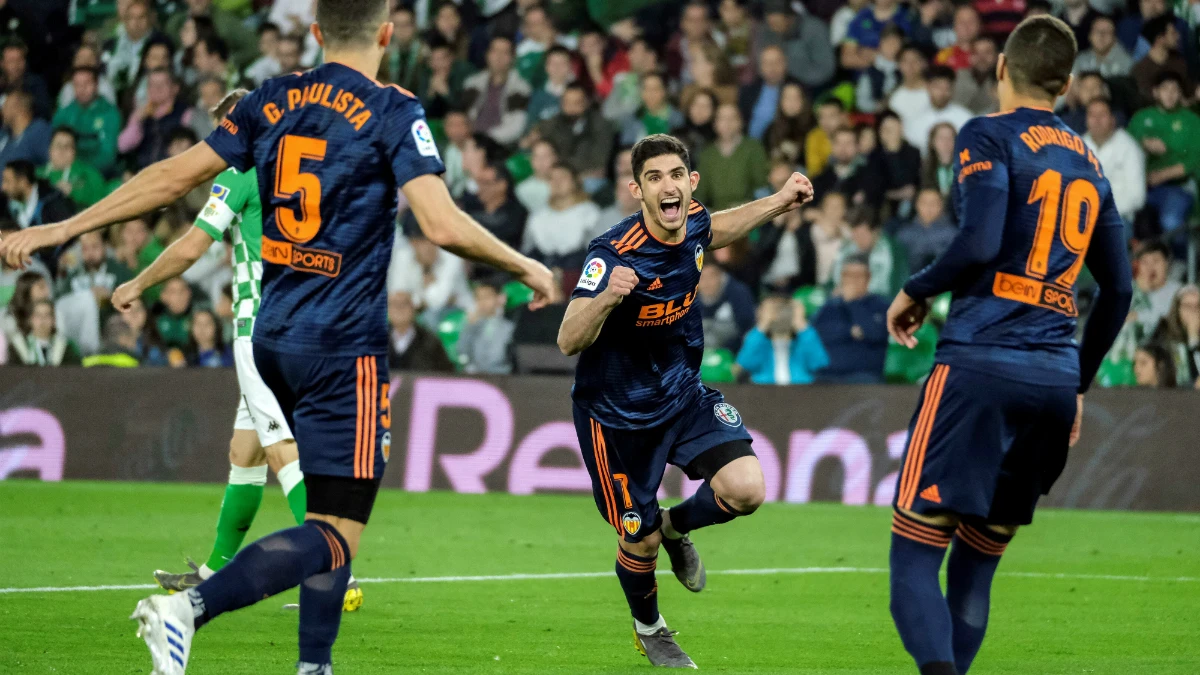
column 385, row 407
column 289, row 180
column 624, row 481
column 1075, row 226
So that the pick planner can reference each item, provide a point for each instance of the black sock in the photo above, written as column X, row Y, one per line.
column 939, row 668
column 636, row 575
column 973, row 562
column 701, row 510
column 269, row 566
column 918, row 607
column 321, row 598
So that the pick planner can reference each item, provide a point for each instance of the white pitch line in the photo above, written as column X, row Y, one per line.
column 763, row 571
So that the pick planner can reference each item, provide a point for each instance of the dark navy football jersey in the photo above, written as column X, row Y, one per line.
column 645, row 365
column 1030, row 199
column 331, row 147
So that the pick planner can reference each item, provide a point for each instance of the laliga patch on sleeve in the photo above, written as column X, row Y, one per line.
column 424, row 139
column 593, row 274
column 220, row 192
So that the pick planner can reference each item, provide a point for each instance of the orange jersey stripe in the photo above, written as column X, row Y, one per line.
column 915, row 439
column 635, row 565
column 606, row 488
column 920, row 527
column 906, row 528
column 920, row 539
column 920, row 440
column 625, row 239
column 373, row 415
column 358, row 425
column 979, row 541
column 920, row 458
column 634, row 244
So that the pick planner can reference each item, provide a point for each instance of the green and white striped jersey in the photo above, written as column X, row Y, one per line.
column 235, row 200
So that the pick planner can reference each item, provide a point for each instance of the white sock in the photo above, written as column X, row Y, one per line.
column 290, row 476
column 643, row 629
column 205, row 572
column 247, row 475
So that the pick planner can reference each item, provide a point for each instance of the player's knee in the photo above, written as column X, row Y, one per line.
column 281, row 454
column 647, row 547
column 742, row 487
column 244, row 449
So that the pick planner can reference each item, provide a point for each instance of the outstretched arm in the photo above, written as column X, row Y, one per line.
column 732, row 224
column 155, row 186
column 174, row 261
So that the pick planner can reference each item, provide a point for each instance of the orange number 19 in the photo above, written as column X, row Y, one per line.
column 1074, row 225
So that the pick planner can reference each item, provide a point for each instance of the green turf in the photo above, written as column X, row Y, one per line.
column 113, row 533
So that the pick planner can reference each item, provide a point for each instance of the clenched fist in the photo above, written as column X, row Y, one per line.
column 621, row 282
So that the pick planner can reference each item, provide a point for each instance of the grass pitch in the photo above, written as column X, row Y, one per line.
column 1078, row 592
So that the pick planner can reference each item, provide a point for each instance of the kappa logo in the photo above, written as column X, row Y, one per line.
column 727, row 414
column 632, row 522
column 273, row 426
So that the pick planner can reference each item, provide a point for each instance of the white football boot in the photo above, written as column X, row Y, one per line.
column 167, row 624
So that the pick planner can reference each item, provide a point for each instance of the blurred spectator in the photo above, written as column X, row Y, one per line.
column 122, row 54
column 496, row 207
column 698, row 115
column 412, row 346
column 440, row 84
column 1163, row 57
column 888, row 265
column 829, row 232
column 290, row 53
column 839, row 23
column 741, row 37
column 28, row 288
column 483, row 346
column 14, row 77
column 478, row 151
column 95, row 120
column 1179, row 333
column 205, row 349
column 211, row 59
column 624, row 203
column 558, row 234
column 13, row 279
column 448, row 28
column 893, row 169
column 1170, row 135
column 210, row 91
column 119, row 348
column 1080, row 17
column 852, row 328
column 942, row 108
column 1131, row 30
column 710, row 71
column 435, row 280
column 804, row 40
column 242, row 44
column 937, row 169
column 267, row 65
column 831, row 116
column 1000, row 17
column 498, row 98
column 624, row 96
column 1105, row 56
column 881, row 78
column 86, row 56
column 157, row 54
column 910, row 100
column 534, row 191
column 39, row 343
column 975, row 86
column 845, row 172
column 930, row 231
column 133, row 239
column 600, row 61
column 546, row 99
column 97, row 271
column 32, row 201
column 149, row 129
column 656, row 116
column 726, row 306
column 75, row 179
column 695, row 27
column 457, row 128
column 785, row 250
column 580, row 134
column 736, row 165
column 539, row 35
column 1153, row 289
column 782, row 348
column 402, row 61
column 1153, row 367
column 172, row 320
column 146, row 348
column 866, row 29
column 24, row 136
column 1085, row 88
column 791, row 125
column 759, row 101
column 966, row 28
column 1122, row 158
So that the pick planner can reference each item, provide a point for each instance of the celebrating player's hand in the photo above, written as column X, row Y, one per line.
column 546, row 289
column 798, row 190
column 904, row 317
column 125, row 295
column 1077, row 428
column 621, row 282
column 18, row 248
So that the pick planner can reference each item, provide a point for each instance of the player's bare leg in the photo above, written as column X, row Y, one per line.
column 737, row 489
column 636, row 561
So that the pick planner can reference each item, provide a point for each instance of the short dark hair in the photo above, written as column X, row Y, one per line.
column 268, row 27
column 1168, row 76
column 214, row 44
column 23, row 168
column 502, row 172
column 862, row 215
column 833, row 101
column 512, row 43
column 557, row 49
column 351, row 22
column 940, row 73
column 1035, row 5
column 1157, row 27
column 1040, row 54
column 1150, row 247
column 68, row 131
column 657, row 145
column 222, row 109
column 183, row 134
column 579, row 86
column 892, row 30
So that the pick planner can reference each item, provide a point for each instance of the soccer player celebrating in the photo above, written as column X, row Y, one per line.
column 638, row 400
column 333, row 145
column 1005, row 398
column 261, row 435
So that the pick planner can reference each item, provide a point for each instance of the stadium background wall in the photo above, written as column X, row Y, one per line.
column 817, row 443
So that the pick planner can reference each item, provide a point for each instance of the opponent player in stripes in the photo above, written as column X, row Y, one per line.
column 1005, row 398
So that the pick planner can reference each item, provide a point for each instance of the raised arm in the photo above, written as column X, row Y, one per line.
column 732, row 224
column 174, row 261
column 448, row 227
column 152, row 188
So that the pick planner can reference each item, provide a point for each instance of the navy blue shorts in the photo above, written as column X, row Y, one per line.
column 338, row 407
column 627, row 466
column 984, row 446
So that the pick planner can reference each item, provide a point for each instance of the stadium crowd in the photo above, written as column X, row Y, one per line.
column 535, row 103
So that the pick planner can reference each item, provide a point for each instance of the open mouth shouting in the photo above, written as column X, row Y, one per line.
column 670, row 208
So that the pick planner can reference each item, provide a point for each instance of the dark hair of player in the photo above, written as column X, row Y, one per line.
column 1040, row 54
column 351, row 23
column 1157, row 27
column 222, row 109
column 657, row 145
